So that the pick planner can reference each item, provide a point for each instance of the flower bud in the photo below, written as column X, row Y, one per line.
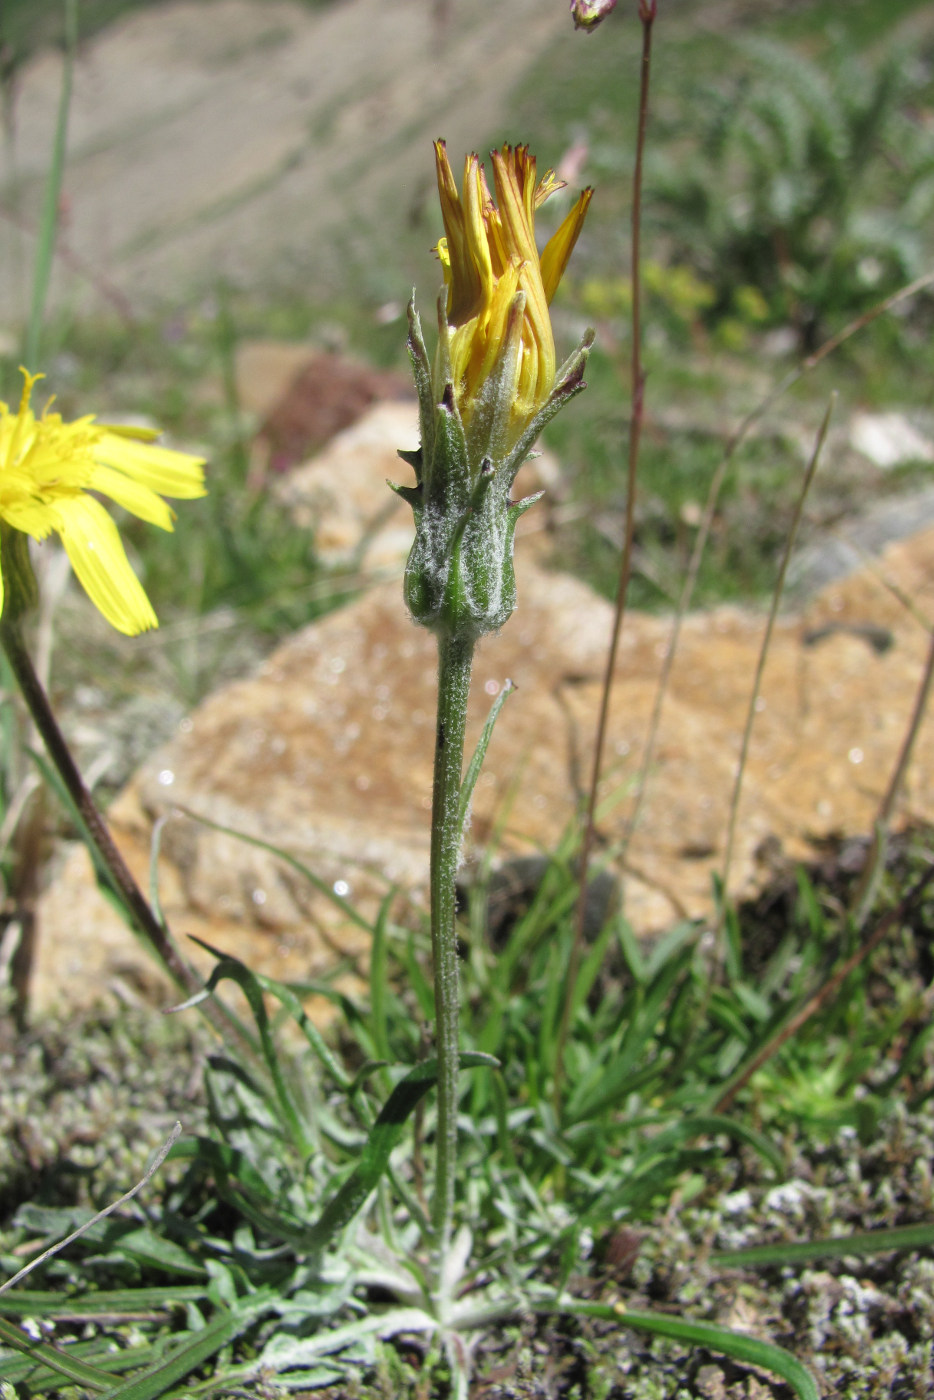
column 490, row 391
column 587, row 14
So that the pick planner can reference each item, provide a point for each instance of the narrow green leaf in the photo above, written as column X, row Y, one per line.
column 734, row 1344
column 58, row 1362
column 476, row 763
column 51, row 199
column 803, row 1251
column 233, row 969
column 155, row 1251
column 221, row 1330
column 293, row 1005
column 116, row 1303
column 382, row 1138
column 379, row 980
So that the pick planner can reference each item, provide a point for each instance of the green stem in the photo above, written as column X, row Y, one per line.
column 455, row 658
column 155, row 937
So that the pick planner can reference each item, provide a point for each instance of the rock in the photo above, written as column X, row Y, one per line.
column 846, row 549
column 264, row 372
column 326, row 752
column 890, row 439
column 327, row 394
column 343, row 497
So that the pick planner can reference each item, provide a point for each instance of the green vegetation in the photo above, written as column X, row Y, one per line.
column 735, row 1127
column 556, row 1177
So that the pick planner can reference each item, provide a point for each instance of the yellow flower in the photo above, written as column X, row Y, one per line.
column 489, row 254
column 48, row 468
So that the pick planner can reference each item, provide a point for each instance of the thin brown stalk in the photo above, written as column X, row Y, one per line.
column 875, row 856
column 825, row 994
column 647, row 16
column 764, row 651
column 738, row 437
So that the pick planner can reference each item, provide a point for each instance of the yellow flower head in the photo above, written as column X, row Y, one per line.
column 489, row 255
column 48, row 470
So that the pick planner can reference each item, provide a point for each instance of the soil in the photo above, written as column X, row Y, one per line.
column 863, row 1324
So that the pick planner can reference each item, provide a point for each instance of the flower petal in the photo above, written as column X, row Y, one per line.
column 95, row 549
column 139, row 500
column 465, row 281
column 560, row 246
column 170, row 473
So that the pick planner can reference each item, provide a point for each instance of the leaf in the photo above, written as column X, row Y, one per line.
column 706, row 1334
column 479, row 754
column 60, row 1363
column 115, row 1303
column 803, row 1251
column 236, row 971
column 221, row 1330
column 382, row 1138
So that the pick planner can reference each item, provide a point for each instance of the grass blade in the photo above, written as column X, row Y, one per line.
column 48, row 223
column 236, row 971
column 379, row 981
column 803, row 1251
column 476, row 763
column 221, row 1330
column 56, row 1361
column 733, row 1344
column 383, row 1137
column 112, row 1303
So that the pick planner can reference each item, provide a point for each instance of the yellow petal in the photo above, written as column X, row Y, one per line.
column 177, row 474
column 97, row 556
column 478, row 245
column 508, row 177
column 497, row 317
column 560, row 246
column 548, row 185
column 465, row 281
column 133, row 496
column 31, row 515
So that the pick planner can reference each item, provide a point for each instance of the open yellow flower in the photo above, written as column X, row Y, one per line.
column 48, row 470
column 489, row 254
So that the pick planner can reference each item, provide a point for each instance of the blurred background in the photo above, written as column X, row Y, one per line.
column 249, row 183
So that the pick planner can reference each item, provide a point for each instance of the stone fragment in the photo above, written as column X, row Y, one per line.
column 326, row 752
column 328, row 394
column 890, row 439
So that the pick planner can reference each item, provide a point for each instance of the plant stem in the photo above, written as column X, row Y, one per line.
column 455, row 659
column 647, row 16
column 777, row 592
column 865, row 893
column 155, row 937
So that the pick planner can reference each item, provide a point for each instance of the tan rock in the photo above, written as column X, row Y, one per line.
column 343, row 497
column 326, row 752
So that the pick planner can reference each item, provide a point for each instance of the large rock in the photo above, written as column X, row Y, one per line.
column 326, row 752
column 343, row 497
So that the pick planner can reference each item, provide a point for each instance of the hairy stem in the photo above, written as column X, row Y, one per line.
column 455, row 659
